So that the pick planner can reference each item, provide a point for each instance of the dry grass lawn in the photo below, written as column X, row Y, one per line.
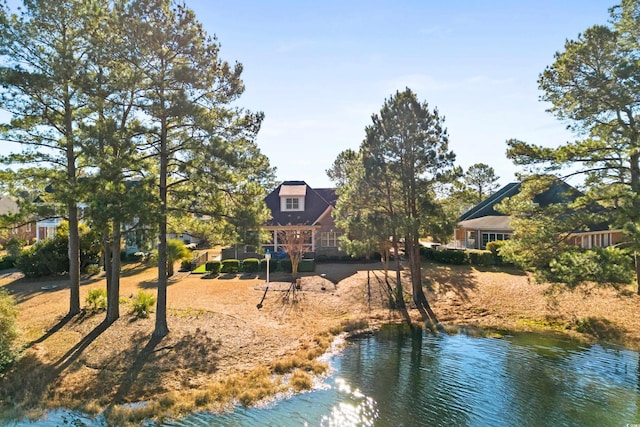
column 222, row 350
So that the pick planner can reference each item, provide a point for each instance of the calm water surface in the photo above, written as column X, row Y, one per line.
column 398, row 378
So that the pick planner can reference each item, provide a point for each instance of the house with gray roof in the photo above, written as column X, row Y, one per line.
column 295, row 205
column 483, row 223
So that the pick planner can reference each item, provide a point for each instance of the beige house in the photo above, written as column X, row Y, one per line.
column 483, row 224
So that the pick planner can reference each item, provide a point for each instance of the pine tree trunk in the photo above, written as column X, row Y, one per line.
column 399, row 291
column 636, row 259
column 106, row 258
column 113, row 292
column 161, row 328
column 74, row 259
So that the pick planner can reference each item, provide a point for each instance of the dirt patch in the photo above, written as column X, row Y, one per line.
column 216, row 329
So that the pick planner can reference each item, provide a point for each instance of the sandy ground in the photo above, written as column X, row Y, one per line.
column 216, row 329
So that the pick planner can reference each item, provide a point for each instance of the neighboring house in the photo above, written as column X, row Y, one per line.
column 134, row 238
column 46, row 227
column 483, row 224
column 296, row 206
column 25, row 232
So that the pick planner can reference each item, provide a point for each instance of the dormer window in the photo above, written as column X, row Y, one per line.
column 292, row 204
column 292, row 197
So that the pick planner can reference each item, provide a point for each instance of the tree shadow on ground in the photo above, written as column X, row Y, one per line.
column 509, row 269
column 63, row 321
column 153, row 284
column 145, row 367
column 441, row 279
column 337, row 272
column 25, row 288
column 33, row 379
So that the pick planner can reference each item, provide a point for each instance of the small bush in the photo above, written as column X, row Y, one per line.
column 495, row 247
column 185, row 265
column 479, row 257
column 449, row 257
column 96, row 300
column 427, row 253
column 273, row 265
column 14, row 246
column 92, row 269
column 142, row 304
column 8, row 330
column 285, row 265
column 306, row 265
column 7, row 261
column 213, row 267
column 251, row 265
column 230, row 266
column 322, row 258
column 151, row 258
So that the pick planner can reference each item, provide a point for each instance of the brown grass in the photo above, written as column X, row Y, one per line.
column 222, row 350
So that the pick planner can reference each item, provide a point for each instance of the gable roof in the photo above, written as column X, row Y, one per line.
column 486, row 207
column 558, row 192
column 484, row 215
column 317, row 201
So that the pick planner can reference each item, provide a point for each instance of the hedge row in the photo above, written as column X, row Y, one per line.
column 459, row 257
column 253, row 265
column 7, row 261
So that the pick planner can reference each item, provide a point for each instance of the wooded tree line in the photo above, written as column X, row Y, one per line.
column 128, row 107
column 593, row 85
column 402, row 183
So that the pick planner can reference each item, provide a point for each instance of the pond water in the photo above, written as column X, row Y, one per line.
column 398, row 378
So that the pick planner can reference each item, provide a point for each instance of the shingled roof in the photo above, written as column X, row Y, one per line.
column 559, row 192
column 484, row 215
column 317, row 201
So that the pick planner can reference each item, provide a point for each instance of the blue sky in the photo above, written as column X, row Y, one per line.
column 319, row 70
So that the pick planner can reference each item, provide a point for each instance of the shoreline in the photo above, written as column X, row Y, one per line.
column 222, row 349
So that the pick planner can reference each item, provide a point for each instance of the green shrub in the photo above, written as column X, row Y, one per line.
column 495, row 247
column 322, row 258
column 92, row 269
column 142, row 304
column 185, row 265
column 230, row 266
column 213, row 267
column 8, row 330
column 96, row 300
column 480, row 257
column 285, row 265
column 273, row 265
column 14, row 246
column 45, row 258
column 427, row 253
column 48, row 257
column 7, row 261
column 449, row 257
column 251, row 265
column 306, row 266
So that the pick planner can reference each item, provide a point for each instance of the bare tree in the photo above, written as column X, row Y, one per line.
column 294, row 240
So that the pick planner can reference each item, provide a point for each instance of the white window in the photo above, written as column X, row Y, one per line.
column 491, row 237
column 329, row 239
column 292, row 204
